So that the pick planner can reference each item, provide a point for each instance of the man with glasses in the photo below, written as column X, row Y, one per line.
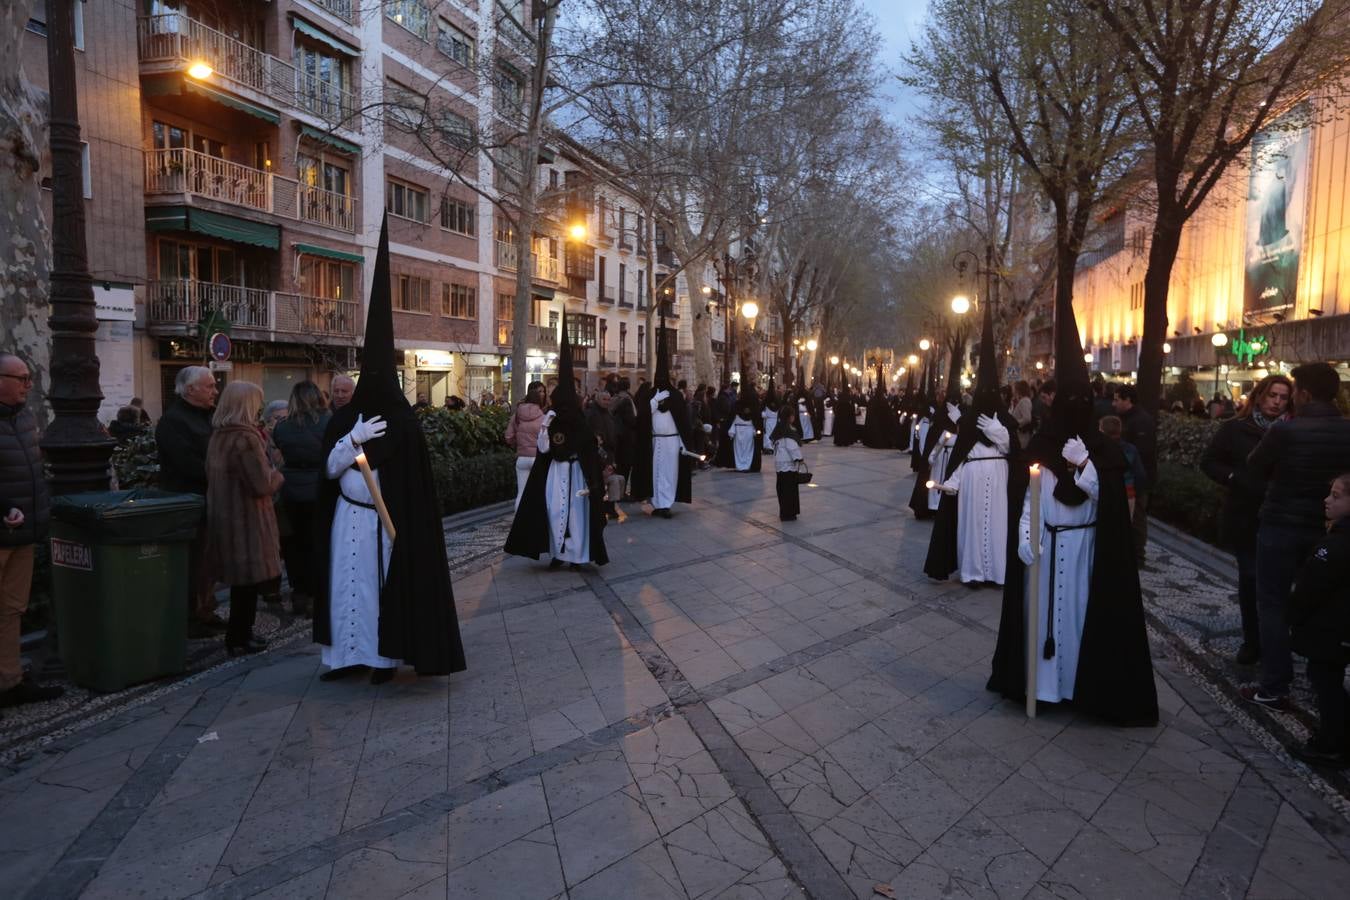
column 24, row 506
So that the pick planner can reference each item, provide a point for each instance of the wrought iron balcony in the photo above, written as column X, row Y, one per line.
column 183, row 304
column 177, row 40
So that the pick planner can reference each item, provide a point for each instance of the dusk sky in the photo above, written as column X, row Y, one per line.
column 897, row 21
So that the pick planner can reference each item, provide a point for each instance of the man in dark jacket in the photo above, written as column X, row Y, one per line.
column 1319, row 628
column 24, row 507
column 1295, row 461
column 182, row 435
column 1142, row 431
column 1225, row 462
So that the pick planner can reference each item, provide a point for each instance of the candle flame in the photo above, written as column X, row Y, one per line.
column 1035, row 468
column 929, row 484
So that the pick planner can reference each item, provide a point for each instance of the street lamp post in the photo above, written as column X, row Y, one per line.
column 76, row 447
column 1219, row 340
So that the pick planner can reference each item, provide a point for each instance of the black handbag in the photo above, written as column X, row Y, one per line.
column 803, row 476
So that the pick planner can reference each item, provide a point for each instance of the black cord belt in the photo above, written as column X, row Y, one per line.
column 379, row 535
column 1048, row 652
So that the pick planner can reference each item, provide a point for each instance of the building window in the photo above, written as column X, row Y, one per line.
column 510, row 90
column 459, row 301
column 412, row 294
column 327, row 278
column 78, row 13
column 323, row 81
column 623, row 340
column 623, row 229
column 1137, row 295
column 406, row 201
column 1139, row 241
column 322, row 174
column 459, row 217
column 604, row 336
column 402, row 106
column 457, row 130
column 454, row 43
column 411, row 14
column 642, row 343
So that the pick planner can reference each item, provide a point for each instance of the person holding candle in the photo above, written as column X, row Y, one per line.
column 1090, row 645
column 936, row 453
column 979, row 477
column 560, row 511
column 384, row 598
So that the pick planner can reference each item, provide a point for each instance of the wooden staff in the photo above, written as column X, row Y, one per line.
column 1034, row 590
column 376, row 497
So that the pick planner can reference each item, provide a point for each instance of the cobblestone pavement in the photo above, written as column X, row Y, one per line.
column 732, row 708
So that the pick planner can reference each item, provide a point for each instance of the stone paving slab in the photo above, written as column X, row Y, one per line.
column 734, row 709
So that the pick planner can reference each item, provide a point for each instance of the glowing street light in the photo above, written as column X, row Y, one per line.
column 1219, row 340
column 925, row 344
column 200, row 70
column 706, row 290
column 811, row 345
column 577, row 231
column 912, row 359
column 1087, row 357
column 1167, row 348
column 834, row 360
column 749, row 309
column 1039, row 365
column 960, row 304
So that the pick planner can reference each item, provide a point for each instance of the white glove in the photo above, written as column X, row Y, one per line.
column 661, row 395
column 992, row 428
column 953, row 412
column 951, row 485
column 367, row 429
column 707, row 429
column 1075, row 452
column 550, row 416
column 1024, row 551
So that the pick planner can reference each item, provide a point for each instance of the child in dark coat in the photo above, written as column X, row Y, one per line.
column 1319, row 629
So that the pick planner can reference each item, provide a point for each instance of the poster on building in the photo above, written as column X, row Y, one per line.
column 1276, row 206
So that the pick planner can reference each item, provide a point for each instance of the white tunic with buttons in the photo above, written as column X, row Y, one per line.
column 354, row 573
column 569, row 515
column 803, row 417
column 982, row 513
column 743, row 443
column 1071, row 576
column 937, row 461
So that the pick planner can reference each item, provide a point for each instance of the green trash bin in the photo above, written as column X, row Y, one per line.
column 120, row 583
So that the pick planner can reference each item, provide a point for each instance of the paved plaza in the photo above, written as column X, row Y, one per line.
column 733, row 708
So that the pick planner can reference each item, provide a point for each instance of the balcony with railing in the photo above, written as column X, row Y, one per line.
column 346, row 10
column 171, row 41
column 607, row 359
column 175, row 306
column 539, row 337
column 507, row 257
column 605, row 295
column 627, row 298
column 180, row 171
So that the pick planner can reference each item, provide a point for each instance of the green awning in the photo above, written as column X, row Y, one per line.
column 231, row 101
column 316, row 250
column 545, row 155
column 543, row 293
column 322, row 36
column 331, row 140
column 229, row 228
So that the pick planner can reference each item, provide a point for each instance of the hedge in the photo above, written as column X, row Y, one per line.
column 1185, row 497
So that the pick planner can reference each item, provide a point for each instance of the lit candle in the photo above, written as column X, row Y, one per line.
column 1033, row 591
column 375, row 496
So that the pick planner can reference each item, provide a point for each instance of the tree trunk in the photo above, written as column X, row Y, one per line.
column 1162, row 255
column 25, row 253
column 528, row 209
column 705, row 368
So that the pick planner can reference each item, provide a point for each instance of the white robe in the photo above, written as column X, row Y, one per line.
column 770, row 420
column 666, row 447
column 743, row 443
column 569, row 516
column 828, row 429
column 920, row 434
column 982, row 512
column 804, row 417
column 937, row 461
column 354, row 574
column 1071, row 577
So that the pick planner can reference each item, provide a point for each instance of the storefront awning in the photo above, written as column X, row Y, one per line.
column 316, row 250
column 322, row 36
column 229, row 228
column 543, row 293
column 331, row 140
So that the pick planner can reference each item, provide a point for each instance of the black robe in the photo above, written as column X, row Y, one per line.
column 845, row 420
column 640, row 487
column 529, row 535
column 1114, row 680
column 417, row 622
column 880, row 428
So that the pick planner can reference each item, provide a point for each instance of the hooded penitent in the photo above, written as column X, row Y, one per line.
column 940, row 421
column 880, row 429
column 845, row 412
column 1114, row 676
column 641, row 486
column 921, row 411
column 987, row 400
column 747, row 408
column 570, row 440
column 417, row 621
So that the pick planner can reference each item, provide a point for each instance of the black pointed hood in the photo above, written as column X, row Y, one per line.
column 378, row 382
column 747, row 402
column 953, row 386
column 565, row 394
column 661, row 378
column 909, row 384
column 987, row 399
column 881, row 380
column 771, row 396
column 1071, row 412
